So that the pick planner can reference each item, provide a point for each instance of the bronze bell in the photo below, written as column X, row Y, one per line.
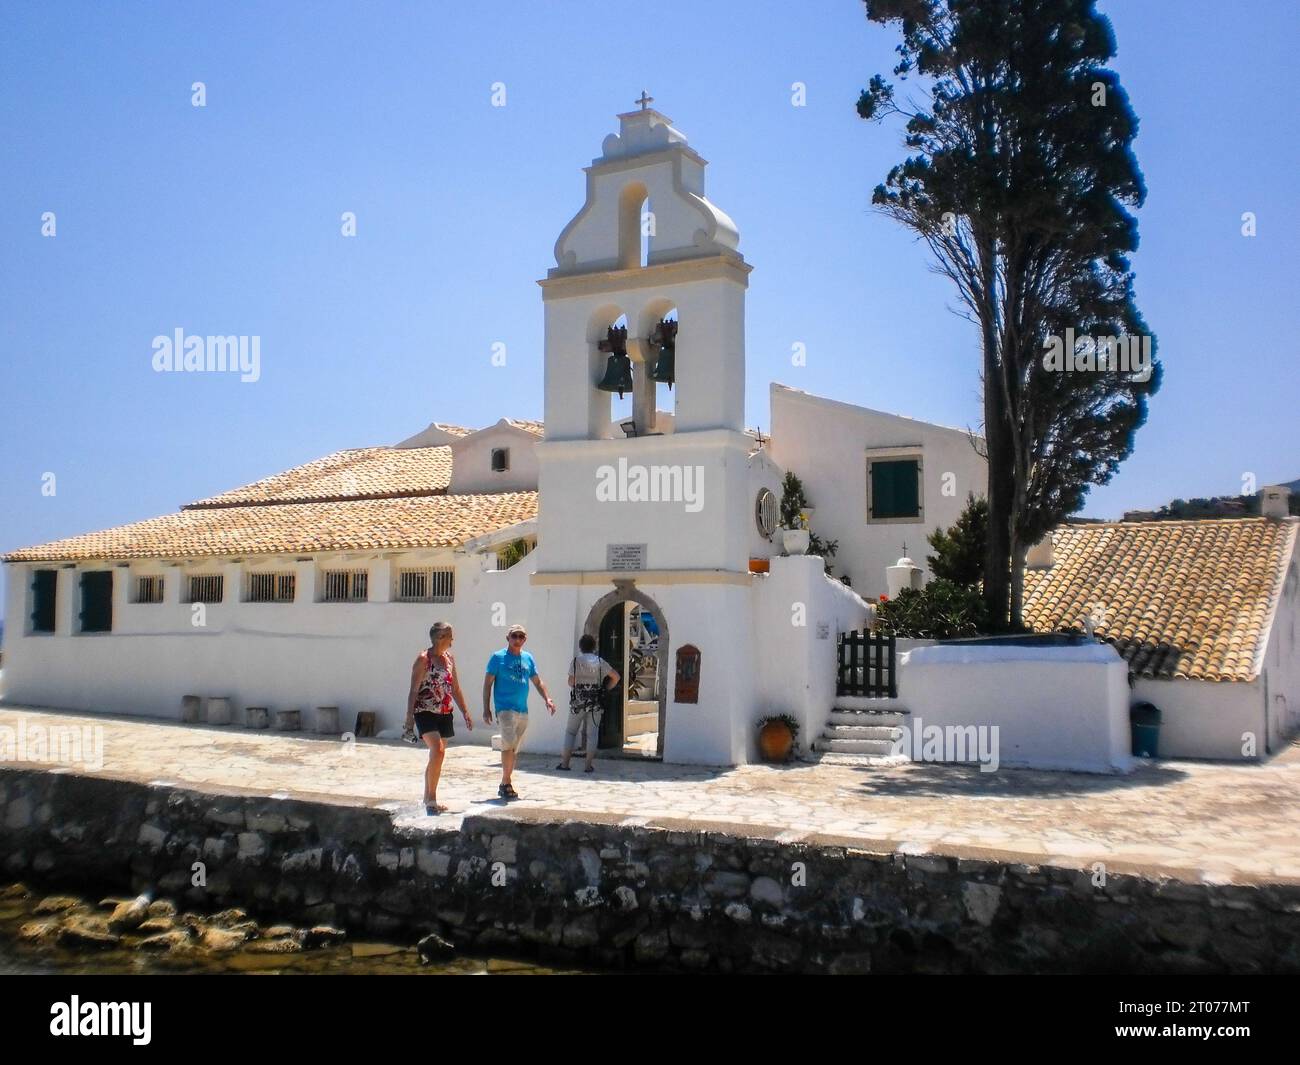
column 618, row 370
column 665, row 338
column 618, row 375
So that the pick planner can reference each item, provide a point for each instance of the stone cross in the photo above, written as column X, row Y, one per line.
column 645, row 101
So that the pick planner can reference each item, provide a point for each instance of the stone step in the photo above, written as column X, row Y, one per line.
column 840, row 746
column 640, row 724
column 837, row 731
column 878, row 761
column 870, row 704
column 895, row 719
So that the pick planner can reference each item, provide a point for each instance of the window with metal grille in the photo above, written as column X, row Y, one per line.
column 97, row 601
column 426, row 585
column 270, row 588
column 45, row 583
column 207, row 588
column 149, row 589
column 765, row 512
column 344, row 586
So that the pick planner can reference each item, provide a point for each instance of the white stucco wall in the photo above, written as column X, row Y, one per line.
column 798, row 613
column 826, row 444
column 1203, row 718
column 471, row 469
column 299, row 655
column 1054, row 707
column 574, row 525
column 715, row 617
column 1280, row 664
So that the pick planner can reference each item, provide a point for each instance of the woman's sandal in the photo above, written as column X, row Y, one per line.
column 590, row 769
column 564, row 767
column 433, row 809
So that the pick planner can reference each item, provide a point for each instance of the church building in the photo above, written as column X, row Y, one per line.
column 640, row 510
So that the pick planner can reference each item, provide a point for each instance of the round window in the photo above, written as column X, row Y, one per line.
column 765, row 512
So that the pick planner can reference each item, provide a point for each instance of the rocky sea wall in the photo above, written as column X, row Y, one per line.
column 622, row 894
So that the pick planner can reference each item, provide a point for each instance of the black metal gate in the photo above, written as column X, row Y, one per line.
column 866, row 665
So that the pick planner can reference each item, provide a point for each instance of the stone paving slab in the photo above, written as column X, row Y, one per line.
column 1219, row 822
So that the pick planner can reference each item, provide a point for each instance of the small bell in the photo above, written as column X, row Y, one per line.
column 618, row 370
column 665, row 338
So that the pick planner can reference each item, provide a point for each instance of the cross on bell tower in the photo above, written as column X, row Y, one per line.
column 645, row 100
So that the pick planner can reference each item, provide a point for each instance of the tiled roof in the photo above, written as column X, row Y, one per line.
column 351, row 525
column 528, row 426
column 1181, row 599
column 362, row 473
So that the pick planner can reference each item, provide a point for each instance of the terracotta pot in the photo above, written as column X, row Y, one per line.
column 759, row 565
column 776, row 741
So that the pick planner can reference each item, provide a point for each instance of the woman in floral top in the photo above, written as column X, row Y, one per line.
column 428, row 707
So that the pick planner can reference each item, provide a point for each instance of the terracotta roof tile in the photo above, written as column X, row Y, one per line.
column 349, row 525
column 1189, row 599
column 527, row 425
column 362, row 473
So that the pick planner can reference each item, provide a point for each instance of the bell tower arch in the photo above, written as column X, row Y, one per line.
column 692, row 269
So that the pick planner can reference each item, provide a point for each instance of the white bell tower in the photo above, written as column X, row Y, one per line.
column 647, row 180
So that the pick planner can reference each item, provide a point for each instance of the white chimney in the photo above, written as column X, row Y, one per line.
column 1042, row 555
column 902, row 574
column 1274, row 501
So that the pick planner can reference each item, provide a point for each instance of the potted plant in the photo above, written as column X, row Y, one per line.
column 777, row 734
column 794, row 530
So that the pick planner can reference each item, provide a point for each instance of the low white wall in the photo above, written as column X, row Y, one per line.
column 1205, row 719
column 1053, row 707
column 798, row 613
column 299, row 655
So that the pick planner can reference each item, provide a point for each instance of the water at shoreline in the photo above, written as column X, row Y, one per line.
column 362, row 957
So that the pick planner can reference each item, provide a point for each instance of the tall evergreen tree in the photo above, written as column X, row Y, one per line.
column 1020, row 182
column 959, row 551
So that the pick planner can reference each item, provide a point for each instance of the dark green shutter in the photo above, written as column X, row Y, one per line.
column 44, row 584
column 895, row 489
column 97, row 601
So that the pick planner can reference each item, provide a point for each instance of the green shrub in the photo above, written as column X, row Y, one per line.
column 939, row 611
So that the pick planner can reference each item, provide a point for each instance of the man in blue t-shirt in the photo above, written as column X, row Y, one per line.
column 509, row 672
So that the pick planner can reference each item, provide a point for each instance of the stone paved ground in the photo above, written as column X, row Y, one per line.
column 1193, row 820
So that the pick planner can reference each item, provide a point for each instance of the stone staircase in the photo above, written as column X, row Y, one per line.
column 862, row 731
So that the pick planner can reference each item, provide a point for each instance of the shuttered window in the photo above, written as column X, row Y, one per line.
column 45, row 583
column 97, row 601
column 895, row 487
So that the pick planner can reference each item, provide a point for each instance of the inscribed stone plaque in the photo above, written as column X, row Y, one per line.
column 624, row 556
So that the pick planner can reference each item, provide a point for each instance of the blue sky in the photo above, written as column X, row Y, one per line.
column 225, row 220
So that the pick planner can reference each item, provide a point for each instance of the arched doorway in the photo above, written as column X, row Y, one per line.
column 632, row 635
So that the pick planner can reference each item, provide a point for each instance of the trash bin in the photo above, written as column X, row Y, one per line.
column 1144, row 721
